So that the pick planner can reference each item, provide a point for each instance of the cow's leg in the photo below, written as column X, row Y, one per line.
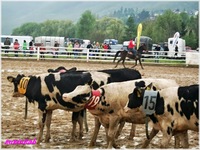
column 151, row 136
column 41, row 122
column 95, row 133
column 181, row 140
column 80, row 122
column 132, row 133
column 48, row 124
column 113, row 123
column 85, row 120
column 106, row 129
column 166, row 138
column 119, row 130
column 75, row 116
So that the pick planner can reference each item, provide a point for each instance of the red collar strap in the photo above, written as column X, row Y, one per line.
column 94, row 100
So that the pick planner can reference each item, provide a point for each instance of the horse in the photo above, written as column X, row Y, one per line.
column 124, row 54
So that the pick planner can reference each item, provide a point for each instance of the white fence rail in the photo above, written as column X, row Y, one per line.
column 84, row 54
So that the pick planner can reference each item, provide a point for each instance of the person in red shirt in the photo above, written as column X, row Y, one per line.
column 16, row 47
column 131, row 47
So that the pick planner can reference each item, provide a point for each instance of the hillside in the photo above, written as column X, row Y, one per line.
column 15, row 13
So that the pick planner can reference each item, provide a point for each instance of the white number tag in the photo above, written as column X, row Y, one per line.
column 149, row 102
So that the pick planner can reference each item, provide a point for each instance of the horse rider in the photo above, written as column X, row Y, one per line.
column 131, row 47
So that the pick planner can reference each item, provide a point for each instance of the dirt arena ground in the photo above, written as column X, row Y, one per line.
column 13, row 125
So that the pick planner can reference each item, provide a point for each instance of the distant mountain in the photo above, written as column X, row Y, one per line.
column 16, row 13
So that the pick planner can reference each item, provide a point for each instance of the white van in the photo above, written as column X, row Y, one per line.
column 181, row 47
column 50, row 40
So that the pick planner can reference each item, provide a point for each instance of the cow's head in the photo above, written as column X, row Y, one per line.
column 136, row 97
column 20, row 83
column 80, row 95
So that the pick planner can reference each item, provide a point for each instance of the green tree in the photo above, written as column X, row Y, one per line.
column 108, row 28
column 130, row 29
column 192, row 32
column 86, row 25
column 30, row 28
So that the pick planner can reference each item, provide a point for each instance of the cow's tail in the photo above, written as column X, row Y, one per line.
column 116, row 55
column 85, row 120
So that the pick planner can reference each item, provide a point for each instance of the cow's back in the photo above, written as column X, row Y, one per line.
column 118, row 93
column 125, row 74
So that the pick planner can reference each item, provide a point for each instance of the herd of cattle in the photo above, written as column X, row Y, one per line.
column 113, row 97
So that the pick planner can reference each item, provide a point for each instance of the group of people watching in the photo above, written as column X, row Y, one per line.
column 76, row 46
column 16, row 46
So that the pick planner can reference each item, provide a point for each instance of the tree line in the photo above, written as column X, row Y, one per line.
column 94, row 28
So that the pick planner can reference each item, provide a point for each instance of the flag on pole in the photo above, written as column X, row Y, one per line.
column 176, row 37
column 139, row 32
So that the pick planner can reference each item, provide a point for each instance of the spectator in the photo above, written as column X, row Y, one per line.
column 157, row 48
column 106, row 48
column 42, row 51
column 76, row 49
column 176, row 50
column 166, row 49
column 90, row 46
column 31, row 48
column 69, row 48
column 7, row 44
column 55, row 53
column 24, row 47
column 16, row 47
column 97, row 47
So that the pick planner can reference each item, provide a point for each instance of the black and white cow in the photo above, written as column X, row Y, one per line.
column 47, row 90
column 117, row 75
column 107, row 103
column 176, row 109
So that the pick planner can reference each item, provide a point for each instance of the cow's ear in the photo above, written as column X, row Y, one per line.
column 149, row 87
column 10, row 79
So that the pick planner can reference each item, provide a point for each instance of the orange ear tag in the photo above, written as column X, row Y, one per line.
column 23, row 85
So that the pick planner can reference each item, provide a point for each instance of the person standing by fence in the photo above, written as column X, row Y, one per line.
column 42, row 51
column 55, row 53
column 16, row 47
column 24, row 47
column 69, row 49
column 7, row 44
column 157, row 48
column 90, row 47
column 76, row 45
column 31, row 48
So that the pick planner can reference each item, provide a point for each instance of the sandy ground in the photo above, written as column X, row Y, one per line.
column 13, row 125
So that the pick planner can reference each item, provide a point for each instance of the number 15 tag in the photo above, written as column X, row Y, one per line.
column 149, row 101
